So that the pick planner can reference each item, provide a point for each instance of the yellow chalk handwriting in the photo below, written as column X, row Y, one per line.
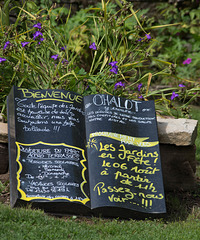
column 51, row 95
column 144, row 196
column 101, row 189
column 127, row 197
column 137, row 178
column 106, row 155
column 122, row 166
column 148, row 170
column 132, row 156
column 104, row 172
column 147, row 203
column 147, row 187
column 106, row 147
column 106, row 164
column 126, row 182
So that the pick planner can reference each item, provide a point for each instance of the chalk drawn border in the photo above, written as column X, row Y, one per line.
column 23, row 194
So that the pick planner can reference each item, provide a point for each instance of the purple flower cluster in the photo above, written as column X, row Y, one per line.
column 139, row 89
column 93, row 46
column 139, row 86
column 37, row 25
column 187, row 61
column 174, row 95
column 24, row 43
column 141, row 97
column 65, row 61
column 6, row 45
column 114, row 68
column 148, row 37
column 55, row 57
column 38, row 35
column 63, row 48
column 181, row 85
column 2, row 60
column 119, row 84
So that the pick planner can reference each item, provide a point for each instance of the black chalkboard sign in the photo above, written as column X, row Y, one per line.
column 95, row 154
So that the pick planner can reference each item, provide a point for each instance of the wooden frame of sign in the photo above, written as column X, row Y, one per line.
column 97, row 154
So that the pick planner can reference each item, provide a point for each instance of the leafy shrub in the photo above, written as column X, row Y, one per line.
column 102, row 49
column 179, row 42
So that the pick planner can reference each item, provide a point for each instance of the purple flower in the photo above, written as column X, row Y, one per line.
column 148, row 36
column 113, row 64
column 37, row 34
column 6, row 44
column 141, row 97
column 139, row 86
column 37, row 25
column 54, row 56
column 65, row 61
column 93, row 46
column 2, row 60
column 140, row 39
column 181, row 85
column 187, row 61
column 119, row 84
column 40, row 40
column 24, row 43
column 174, row 95
column 63, row 48
column 114, row 68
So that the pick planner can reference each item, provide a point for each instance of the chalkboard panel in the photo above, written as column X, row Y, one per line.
column 47, row 141
column 55, row 115
column 70, row 154
column 123, row 154
column 47, row 172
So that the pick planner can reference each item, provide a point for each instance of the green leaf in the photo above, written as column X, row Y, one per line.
column 110, row 81
column 93, row 89
column 82, row 72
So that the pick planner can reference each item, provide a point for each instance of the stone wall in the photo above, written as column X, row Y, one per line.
column 177, row 149
column 3, row 148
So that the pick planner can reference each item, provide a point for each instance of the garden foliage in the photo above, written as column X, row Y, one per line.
column 108, row 48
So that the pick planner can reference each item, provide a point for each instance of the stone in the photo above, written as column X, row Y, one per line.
column 4, row 162
column 178, row 167
column 3, row 133
column 181, row 131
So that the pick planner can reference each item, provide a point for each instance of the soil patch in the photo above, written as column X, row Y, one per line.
column 4, row 188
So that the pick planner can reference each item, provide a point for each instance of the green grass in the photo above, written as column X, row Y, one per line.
column 34, row 224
